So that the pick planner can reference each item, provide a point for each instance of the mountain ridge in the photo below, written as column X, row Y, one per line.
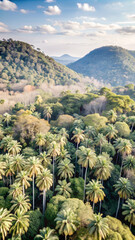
column 108, row 63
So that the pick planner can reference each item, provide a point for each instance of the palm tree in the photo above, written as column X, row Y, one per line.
column 98, row 227
column 125, row 148
column 9, row 171
column 65, row 169
column 45, row 159
column 40, row 141
column 63, row 154
column 13, row 147
column 47, row 234
column 87, row 158
column 124, row 189
column 15, row 189
column 78, row 137
column 131, row 122
column 129, row 211
column 129, row 163
column 2, row 168
column 111, row 132
column 112, row 116
column 44, row 182
column 18, row 163
column 20, row 223
column 66, row 222
column 21, row 202
column 5, row 141
column 34, row 168
column 6, row 219
column 24, row 179
column 63, row 188
column 100, row 140
column 47, row 112
column 54, row 151
column 90, row 132
column 94, row 192
column 103, row 167
column 7, row 118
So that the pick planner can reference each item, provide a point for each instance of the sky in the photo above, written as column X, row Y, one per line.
column 73, row 27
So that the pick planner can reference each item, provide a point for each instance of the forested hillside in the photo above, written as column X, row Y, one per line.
column 67, row 168
column 20, row 61
column 112, row 64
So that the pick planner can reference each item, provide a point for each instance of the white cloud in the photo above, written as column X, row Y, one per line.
column 24, row 11
column 45, row 41
column 131, row 16
column 38, row 29
column 127, row 30
column 86, row 7
column 3, row 28
column 49, row 1
column 39, row 6
column 115, row 5
column 53, row 10
column 7, row 5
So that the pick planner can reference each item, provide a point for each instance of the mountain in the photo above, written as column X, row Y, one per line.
column 65, row 59
column 20, row 61
column 111, row 64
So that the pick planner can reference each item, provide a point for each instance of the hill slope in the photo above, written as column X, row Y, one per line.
column 111, row 64
column 65, row 59
column 18, row 60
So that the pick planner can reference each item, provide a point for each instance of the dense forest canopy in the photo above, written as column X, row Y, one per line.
column 20, row 61
column 67, row 167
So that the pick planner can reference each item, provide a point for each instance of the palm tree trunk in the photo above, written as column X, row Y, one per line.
column 100, row 205
column 23, row 189
column 132, row 127
column 121, row 165
column 33, row 193
column 93, row 206
column 44, row 201
column 40, row 149
column 100, row 148
column 53, row 171
column 65, row 237
column 118, row 207
column 76, row 158
column 10, row 179
column 85, row 183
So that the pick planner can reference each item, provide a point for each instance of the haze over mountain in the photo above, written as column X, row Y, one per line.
column 65, row 59
column 20, row 61
column 112, row 64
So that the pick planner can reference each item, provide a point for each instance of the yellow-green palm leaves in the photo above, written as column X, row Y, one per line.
column 20, row 223
column 65, row 169
column 129, row 211
column 63, row 188
column 21, row 202
column 94, row 191
column 6, row 219
column 24, row 179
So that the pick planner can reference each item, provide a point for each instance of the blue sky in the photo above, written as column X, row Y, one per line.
column 72, row 27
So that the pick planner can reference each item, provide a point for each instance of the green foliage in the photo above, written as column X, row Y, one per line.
column 123, row 129
column 64, row 121
column 77, row 185
column 20, row 61
column 95, row 120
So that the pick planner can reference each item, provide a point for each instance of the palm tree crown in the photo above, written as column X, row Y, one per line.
column 47, row 234
column 63, row 188
column 65, row 169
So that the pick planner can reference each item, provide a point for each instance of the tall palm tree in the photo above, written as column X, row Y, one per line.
column 9, row 171
column 129, row 163
column 66, row 222
column 7, row 118
column 2, row 168
column 111, row 132
column 63, row 154
column 6, row 219
column 112, row 116
column 20, row 223
column 131, row 122
column 24, row 179
column 18, row 163
column 13, row 147
column 46, row 234
column 21, row 202
column 99, row 227
column 125, row 148
column 94, row 192
column 40, row 141
column 54, row 151
column 78, row 137
column 45, row 159
column 5, row 141
column 124, row 189
column 90, row 132
column 65, row 169
column 87, row 158
column 129, row 211
column 15, row 189
column 100, row 140
column 47, row 112
column 34, row 167
column 44, row 182
column 63, row 188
